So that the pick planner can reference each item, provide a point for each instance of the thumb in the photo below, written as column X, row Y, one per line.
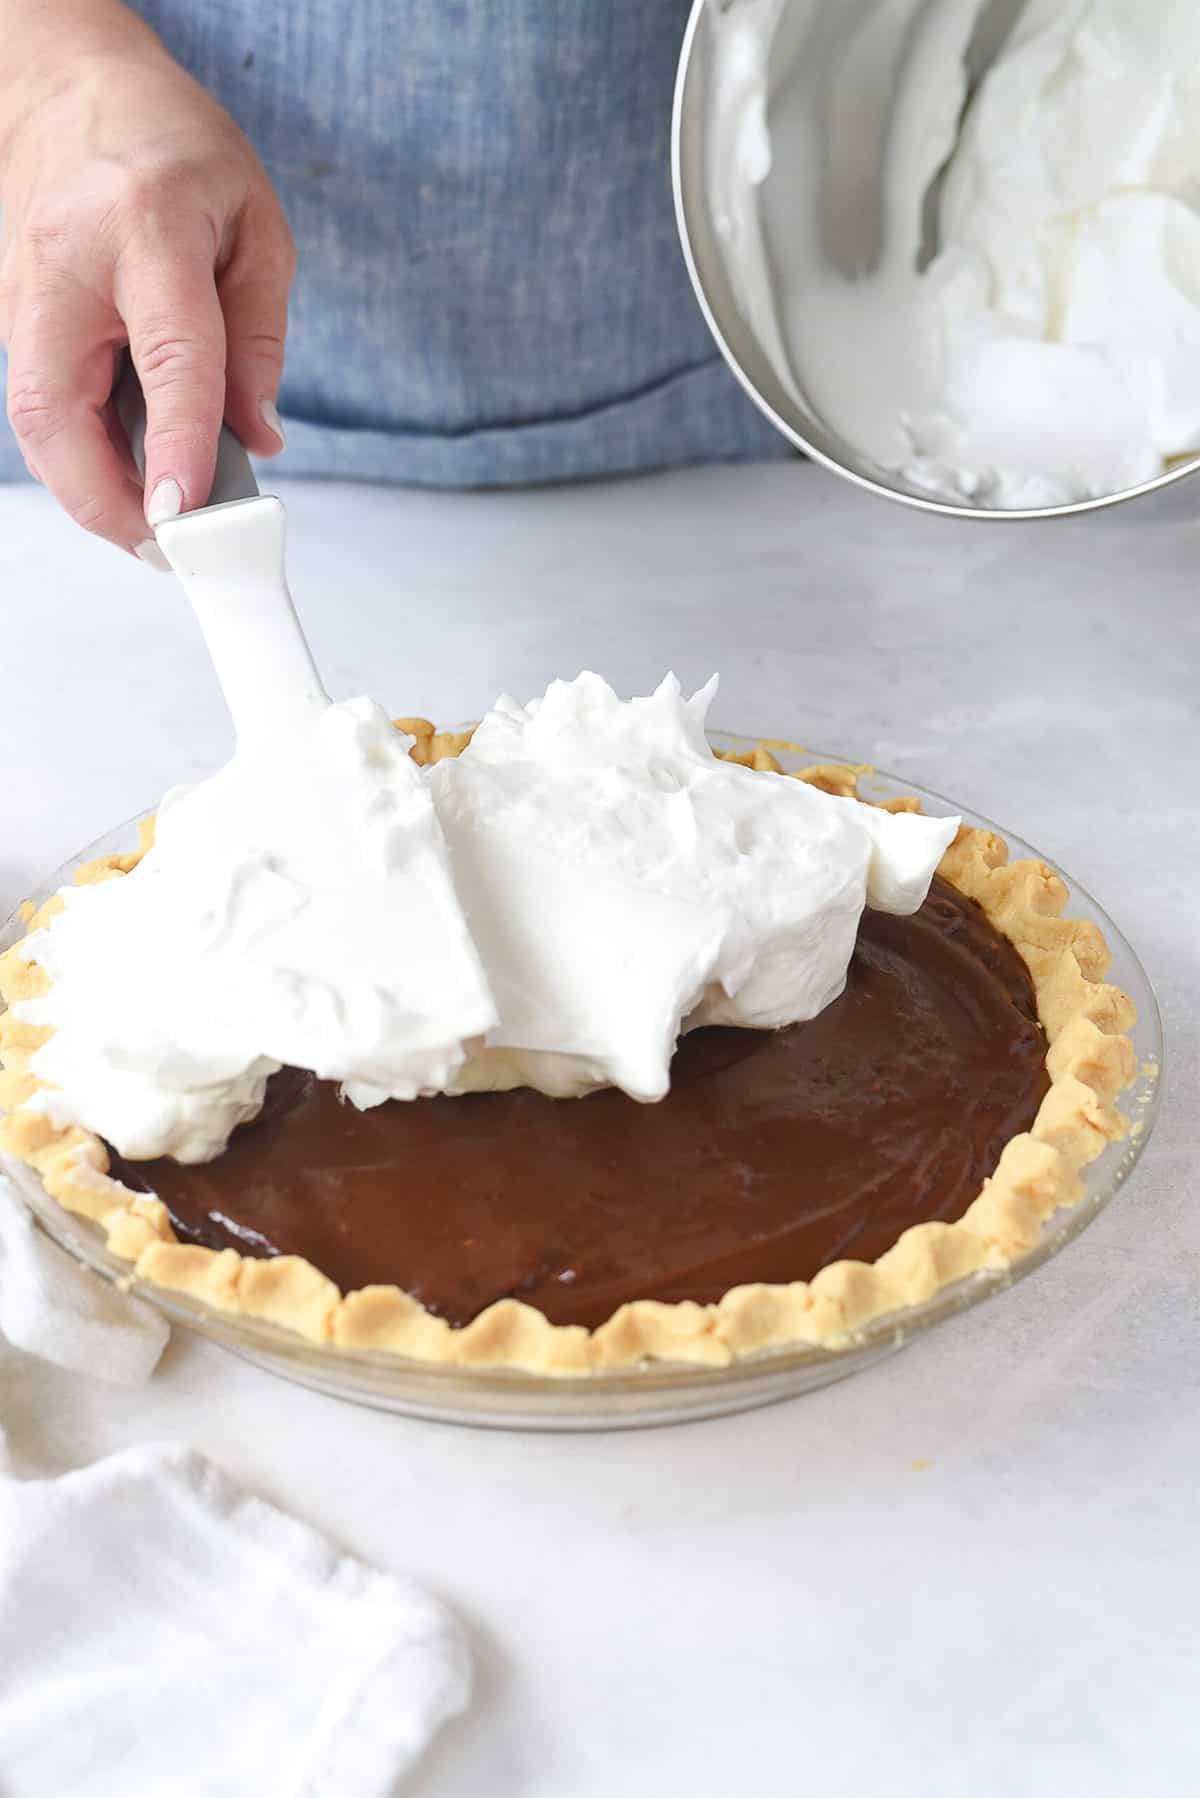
column 177, row 342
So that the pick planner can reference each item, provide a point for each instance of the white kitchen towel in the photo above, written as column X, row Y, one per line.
column 163, row 1633
column 53, row 1308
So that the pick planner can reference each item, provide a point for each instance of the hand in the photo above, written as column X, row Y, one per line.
column 135, row 211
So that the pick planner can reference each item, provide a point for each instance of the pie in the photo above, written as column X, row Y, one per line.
column 794, row 1185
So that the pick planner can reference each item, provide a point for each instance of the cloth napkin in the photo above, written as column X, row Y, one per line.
column 163, row 1632
column 55, row 1309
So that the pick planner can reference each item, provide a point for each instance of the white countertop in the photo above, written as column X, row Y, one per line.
column 971, row 1570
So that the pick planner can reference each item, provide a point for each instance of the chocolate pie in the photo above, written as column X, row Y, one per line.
column 792, row 1186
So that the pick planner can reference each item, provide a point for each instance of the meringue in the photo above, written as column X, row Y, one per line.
column 550, row 908
column 295, row 908
column 622, row 883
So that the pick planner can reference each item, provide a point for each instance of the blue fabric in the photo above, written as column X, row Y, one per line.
column 490, row 287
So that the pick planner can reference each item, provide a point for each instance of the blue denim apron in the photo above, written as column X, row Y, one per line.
column 490, row 287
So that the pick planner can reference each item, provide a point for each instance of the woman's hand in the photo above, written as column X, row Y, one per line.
column 135, row 211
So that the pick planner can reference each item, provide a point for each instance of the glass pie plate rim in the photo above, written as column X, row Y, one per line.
column 659, row 1392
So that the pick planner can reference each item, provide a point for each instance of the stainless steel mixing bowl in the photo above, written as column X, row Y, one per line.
column 737, row 339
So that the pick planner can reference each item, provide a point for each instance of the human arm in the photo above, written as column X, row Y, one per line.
column 134, row 211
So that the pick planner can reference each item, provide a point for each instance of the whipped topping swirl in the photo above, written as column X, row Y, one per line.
column 551, row 908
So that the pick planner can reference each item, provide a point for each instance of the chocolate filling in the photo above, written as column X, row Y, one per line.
column 774, row 1154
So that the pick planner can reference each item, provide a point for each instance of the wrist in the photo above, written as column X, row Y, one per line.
column 50, row 50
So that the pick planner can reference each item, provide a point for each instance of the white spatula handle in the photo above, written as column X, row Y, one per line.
column 231, row 562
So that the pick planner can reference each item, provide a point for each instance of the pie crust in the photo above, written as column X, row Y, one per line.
column 1090, row 1060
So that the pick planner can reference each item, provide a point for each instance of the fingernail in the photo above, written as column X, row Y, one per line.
column 165, row 502
column 149, row 553
column 269, row 412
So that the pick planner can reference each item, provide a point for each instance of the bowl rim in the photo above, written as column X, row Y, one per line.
column 684, row 74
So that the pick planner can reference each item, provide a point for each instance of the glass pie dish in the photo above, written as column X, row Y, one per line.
column 658, row 1392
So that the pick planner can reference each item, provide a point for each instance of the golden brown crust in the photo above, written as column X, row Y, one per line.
column 1090, row 1060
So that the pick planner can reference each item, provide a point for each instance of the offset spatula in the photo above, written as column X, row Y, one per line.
column 229, row 554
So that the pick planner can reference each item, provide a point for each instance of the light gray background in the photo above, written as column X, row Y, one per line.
column 784, row 1601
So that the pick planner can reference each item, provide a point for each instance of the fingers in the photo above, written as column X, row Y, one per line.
column 167, row 297
column 65, row 324
column 254, row 296
column 59, row 379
